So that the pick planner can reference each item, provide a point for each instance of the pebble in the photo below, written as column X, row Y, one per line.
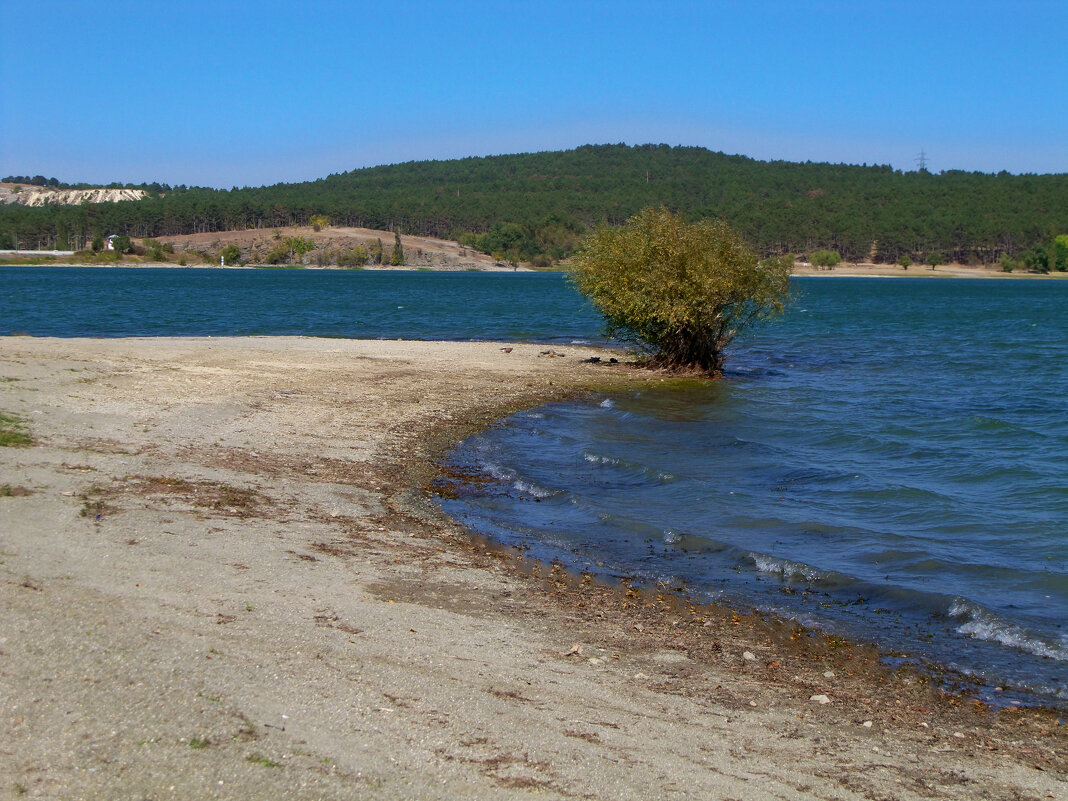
column 820, row 699
column 748, row 656
column 959, row 734
column 593, row 660
column 829, row 674
column 866, row 724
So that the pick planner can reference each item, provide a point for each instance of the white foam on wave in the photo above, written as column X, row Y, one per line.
column 672, row 537
column 982, row 624
column 498, row 472
column 594, row 458
column 607, row 403
column 527, row 488
column 786, row 568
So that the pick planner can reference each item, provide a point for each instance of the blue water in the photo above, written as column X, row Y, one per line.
column 119, row 302
column 887, row 462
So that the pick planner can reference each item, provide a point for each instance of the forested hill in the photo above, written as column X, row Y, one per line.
column 536, row 205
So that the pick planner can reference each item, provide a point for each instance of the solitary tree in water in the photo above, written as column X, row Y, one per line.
column 679, row 291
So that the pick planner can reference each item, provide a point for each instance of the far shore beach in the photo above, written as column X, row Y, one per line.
column 223, row 576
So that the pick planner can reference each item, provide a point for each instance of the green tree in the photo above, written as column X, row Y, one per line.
column 299, row 245
column 905, row 261
column 1036, row 259
column 680, row 291
column 397, row 258
column 97, row 244
column 122, row 244
column 319, row 221
column 231, row 254
column 825, row 258
column 1058, row 254
column 154, row 250
column 935, row 258
column 356, row 257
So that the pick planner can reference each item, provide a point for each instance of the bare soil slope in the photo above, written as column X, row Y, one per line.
column 419, row 251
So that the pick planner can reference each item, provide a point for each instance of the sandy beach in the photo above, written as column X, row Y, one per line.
column 870, row 270
column 223, row 576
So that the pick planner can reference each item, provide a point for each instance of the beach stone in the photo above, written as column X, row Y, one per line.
column 670, row 657
column 748, row 656
column 866, row 724
column 820, row 699
column 829, row 674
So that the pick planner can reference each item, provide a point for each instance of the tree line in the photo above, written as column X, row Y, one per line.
column 537, row 206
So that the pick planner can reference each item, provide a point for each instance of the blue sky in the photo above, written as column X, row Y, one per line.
column 247, row 93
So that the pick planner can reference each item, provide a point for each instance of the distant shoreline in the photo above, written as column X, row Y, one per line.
column 281, row 268
column 842, row 271
column 864, row 270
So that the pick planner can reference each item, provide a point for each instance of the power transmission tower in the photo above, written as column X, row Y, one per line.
column 921, row 161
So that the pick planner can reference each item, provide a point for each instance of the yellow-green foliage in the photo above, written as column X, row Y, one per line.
column 680, row 290
column 12, row 431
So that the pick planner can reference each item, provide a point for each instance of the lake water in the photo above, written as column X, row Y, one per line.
column 886, row 462
column 374, row 304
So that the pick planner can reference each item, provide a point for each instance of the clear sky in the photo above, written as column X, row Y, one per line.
column 228, row 92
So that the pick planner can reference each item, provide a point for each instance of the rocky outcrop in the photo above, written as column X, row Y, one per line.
column 43, row 196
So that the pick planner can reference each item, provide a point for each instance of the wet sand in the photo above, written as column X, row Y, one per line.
column 222, row 577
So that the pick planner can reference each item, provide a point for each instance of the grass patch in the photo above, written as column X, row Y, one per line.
column 27, row 261
column 260, row 759
column 8, row 491
column 13, row 432
column 199, row 742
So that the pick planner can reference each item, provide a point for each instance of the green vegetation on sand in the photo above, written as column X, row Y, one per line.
column 13, row 431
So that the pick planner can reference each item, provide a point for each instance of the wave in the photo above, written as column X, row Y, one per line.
column 505, row 475
column 631, row 467
column 593, row 458
column 497, row 471
column 789, row 570
column 533, row 490
column 982, row 624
